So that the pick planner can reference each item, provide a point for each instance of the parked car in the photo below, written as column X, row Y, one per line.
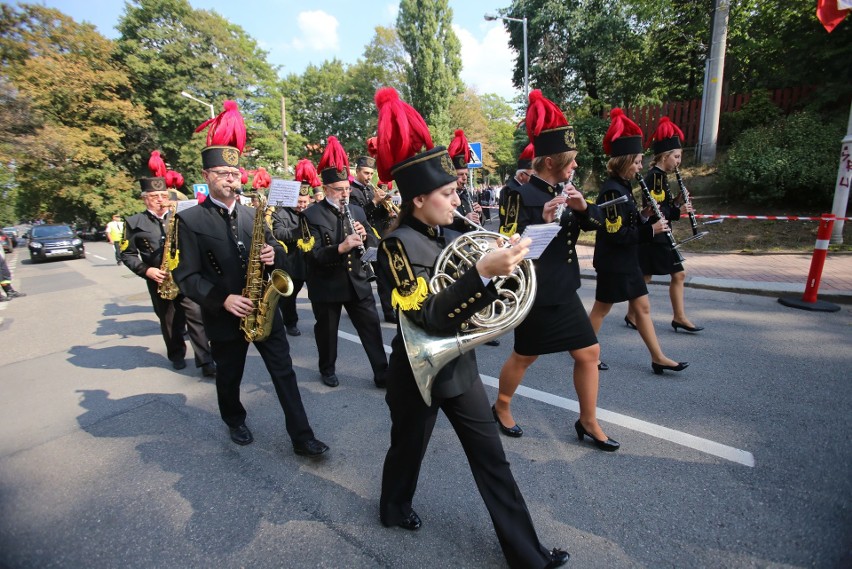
column 49, row 241
column 12, row 233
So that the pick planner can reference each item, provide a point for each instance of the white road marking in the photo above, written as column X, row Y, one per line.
column 97, row 257
column 678, row 437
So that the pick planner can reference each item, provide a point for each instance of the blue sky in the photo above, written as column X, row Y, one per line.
column 297, row 34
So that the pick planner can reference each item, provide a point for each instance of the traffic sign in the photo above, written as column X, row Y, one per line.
column 475, row 155
column 200, row 189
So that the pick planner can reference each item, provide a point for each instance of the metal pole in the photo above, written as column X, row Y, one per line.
column 526, row 67
column 841, row 188
column 284, row 133
column 713, row 94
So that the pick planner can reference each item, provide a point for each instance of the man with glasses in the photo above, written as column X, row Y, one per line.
column 214, row 244
column 141, row 251
column 337, row 276
column 459, row 151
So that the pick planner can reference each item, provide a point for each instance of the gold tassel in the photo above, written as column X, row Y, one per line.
column 412, row 301
column 509, row 230
column 174, row 260
column 613, row 226
column 306, row 246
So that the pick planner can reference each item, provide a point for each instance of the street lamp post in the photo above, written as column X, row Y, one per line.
column 208, row 105
column 491, row 18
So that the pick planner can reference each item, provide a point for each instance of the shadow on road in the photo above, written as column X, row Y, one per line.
column 114, row 309
column 126, row 328
column 115, row 357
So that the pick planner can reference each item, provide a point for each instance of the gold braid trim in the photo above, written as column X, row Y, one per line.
column 174, row 254
column 286, row 250
column 409, row 292
column 513, row 207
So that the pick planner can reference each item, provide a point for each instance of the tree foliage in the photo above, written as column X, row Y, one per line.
column 425, row 29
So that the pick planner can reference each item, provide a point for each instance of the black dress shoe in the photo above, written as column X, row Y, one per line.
column 179, row 364
column 492, row 343
column 241, row 435
column 608, row 445
column 658, row 368
column 208, row 370
column 629, row 323
column 330, row 380
column 676, row 325
column 312, row 448
column 411, row 522
column 558, row 558
column 515, row 431
column 602, row 366
column 293, row 331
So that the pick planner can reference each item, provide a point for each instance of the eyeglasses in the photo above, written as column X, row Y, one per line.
column 225, row 173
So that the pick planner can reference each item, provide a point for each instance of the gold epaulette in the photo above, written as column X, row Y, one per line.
column 409, row 292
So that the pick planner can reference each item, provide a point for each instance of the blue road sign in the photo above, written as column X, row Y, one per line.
column 475, row 155
column 200, row 189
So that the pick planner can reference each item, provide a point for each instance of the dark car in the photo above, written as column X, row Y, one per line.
column 49, row 241
column 12, row 234
column 92, row 233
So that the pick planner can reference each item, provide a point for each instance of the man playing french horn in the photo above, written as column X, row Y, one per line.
column 215, row 249
column 142, row 248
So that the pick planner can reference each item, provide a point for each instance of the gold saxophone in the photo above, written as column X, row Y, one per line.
column 168, row 288
column 264, row 294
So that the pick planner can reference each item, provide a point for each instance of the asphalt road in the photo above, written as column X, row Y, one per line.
column 109, row 458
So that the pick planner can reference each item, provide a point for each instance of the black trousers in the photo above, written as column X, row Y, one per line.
column 176, row 316
column 366, row 321
column 287, row 305
column 470, row 416
column 486, row 213
column 384, row 294
column 230, row 359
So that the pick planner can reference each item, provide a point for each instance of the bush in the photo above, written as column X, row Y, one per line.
column 759, row 111
column 790, row 161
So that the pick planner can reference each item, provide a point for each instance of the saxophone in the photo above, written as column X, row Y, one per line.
column 168, row 288
column 264, row 293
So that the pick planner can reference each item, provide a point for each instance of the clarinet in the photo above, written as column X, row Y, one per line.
column 365, row 265
column 685, row 193
column 656, row 207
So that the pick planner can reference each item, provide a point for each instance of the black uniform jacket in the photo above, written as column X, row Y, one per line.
column 557, row 269
column 290, row 227
column 408, row 254
column 503, row 201
column 658, row 184
column 329, row 272
column 465, row 207
column 212, row 262
column 377, row 215
column 142, row 245
column 616, row 244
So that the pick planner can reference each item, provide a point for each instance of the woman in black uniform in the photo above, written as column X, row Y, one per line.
column 558, row 321
column 657, row 257
column 427, row 184
column 616, row 260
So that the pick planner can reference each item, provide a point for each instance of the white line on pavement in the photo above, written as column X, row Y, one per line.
column 678, row 437
column 98, row 257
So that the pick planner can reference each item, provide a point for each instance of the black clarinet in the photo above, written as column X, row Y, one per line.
column 365, row 265
column 685, row 194
column 656, row 207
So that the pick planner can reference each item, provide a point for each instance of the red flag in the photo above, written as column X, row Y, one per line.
column 829, row 15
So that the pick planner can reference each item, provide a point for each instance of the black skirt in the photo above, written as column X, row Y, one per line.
column 551, row 329
column 620, row 287
column 658, row 259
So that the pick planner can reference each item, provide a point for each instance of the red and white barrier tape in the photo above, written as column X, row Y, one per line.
column 766, row 217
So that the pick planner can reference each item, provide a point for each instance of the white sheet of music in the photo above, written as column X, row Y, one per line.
column 541, row 234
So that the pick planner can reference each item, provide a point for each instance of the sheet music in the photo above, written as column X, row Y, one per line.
column 541, row 234
column 283, row 193
column 185, row 204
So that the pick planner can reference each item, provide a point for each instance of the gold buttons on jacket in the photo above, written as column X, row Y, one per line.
column 451, row 315
column 457, row 311
column 478, row 295
column 464, row 305
column 471, row 299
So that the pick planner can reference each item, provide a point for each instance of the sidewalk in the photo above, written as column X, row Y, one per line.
column 771, row 274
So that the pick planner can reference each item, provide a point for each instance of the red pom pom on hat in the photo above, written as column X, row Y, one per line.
column 528, row 152
column 334, row 156
column 620, row 125
column 373, row 146
column 402, row 132
column 306, row 173
column 227, row 129
column 459, row 146
column 542, row 114
column 665, row 129
column 243, row 176
column 261, row 179
column 173, row 179
column 156, row 165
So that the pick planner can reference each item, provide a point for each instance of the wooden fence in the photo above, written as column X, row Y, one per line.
column 687, row 114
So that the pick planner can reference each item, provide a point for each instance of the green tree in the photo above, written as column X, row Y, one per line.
column 170, row 47
column 69, row 151
column 424, row 27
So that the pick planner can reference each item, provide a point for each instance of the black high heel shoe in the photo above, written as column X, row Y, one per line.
column 629, row 323
column 676, row 325
column 515, row 431
column 658, row 368
column 608, row 445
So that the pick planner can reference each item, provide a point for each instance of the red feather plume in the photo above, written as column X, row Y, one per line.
column 156, row 165
column 542, row 114
column 373, row 146
column 528, row 153
column 261, row 179
column 334, row 156
column 665, row 129
column 243, row 176
column 173, row 179
column 619, row 126
column 227, row 129
column 459, row 146
column 402, row 132
column 307, row 174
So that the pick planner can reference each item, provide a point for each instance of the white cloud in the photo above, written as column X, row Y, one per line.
column 392, row 11
column 487, row 65
column 317, row 32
